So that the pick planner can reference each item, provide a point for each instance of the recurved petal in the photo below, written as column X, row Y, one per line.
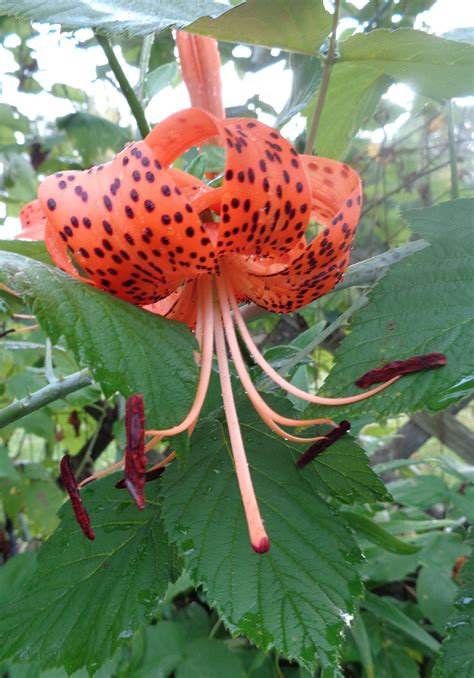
column 33, row 221
column 128, row 225
column 314, row 270
column 265, row 196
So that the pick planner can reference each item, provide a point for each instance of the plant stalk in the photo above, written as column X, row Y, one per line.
column 323, row 88
column 48, row 394
column 127, row 90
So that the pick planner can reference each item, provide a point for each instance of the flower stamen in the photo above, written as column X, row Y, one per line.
column 258, row 536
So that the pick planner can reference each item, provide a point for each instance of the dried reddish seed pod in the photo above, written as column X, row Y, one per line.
column 321, row 445
column 70, row 485
column 135, row 458
column 397, row 368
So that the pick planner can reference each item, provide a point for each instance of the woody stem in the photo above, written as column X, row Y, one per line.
column 258, row 536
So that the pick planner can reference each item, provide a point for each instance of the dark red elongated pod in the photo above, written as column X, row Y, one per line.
column 135, row 458
column 397, row 368
column 70, row 485
column 321, row 445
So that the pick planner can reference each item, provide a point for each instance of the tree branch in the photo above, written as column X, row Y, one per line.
column 44, row 396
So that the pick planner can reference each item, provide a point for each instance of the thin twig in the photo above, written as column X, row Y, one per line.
column 127, row 90
column 44, row 396
column 323, row 88
column 453, row 163
column 48, row 362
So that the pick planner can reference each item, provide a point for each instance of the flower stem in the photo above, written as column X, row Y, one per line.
column 323, row 88
column 127, row 90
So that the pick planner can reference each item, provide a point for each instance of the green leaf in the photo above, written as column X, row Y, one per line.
column 92, row 136
column 387, row 611
column 457, row 657
column 295, row 27
column 435, row 67
column 35, row 249
column 63, row 91
column 377, row 535
column 307, row 72
column 296, row 596
column 421, row 491
column 343, row 472
column 15, row 575
column 126, row 348
column 11, row 118
column 362, row 641
column 423, row 304
column 86, row 598
column 161, row 77
column 353, row 94
column 435, row 593
column 7, row 469
column 138, row 18
column 371, row 62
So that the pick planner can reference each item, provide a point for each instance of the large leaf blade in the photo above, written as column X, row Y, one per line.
column 423, row 304
column 139, row 17
column 296, row 596
column 126, row 348
column 86, row 598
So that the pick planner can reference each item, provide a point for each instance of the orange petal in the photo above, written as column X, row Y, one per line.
column 314, row 271
column 33, row 221
column 265, row 203
column 128, row 225
column 201, row 70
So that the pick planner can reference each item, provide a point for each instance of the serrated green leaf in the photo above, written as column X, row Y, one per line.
column 296, row 596
column 423, row 304
column 92, row 136
column 126, row 348
column 386, row 610
column 296, row 27
column 139, row 17
column 86, row 598
column 457, row 657
column 343, row 472
column 15, row 575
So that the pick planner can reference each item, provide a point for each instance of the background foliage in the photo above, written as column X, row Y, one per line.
column 364, row 579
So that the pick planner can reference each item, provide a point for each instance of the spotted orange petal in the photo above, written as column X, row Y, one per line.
column 314, row 270
column 128, row 225
column 265, row 197
column 33, row 221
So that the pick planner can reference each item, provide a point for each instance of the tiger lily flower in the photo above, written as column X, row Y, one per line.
column 159, row 238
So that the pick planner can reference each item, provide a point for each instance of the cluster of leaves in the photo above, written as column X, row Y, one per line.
column 176, row 589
